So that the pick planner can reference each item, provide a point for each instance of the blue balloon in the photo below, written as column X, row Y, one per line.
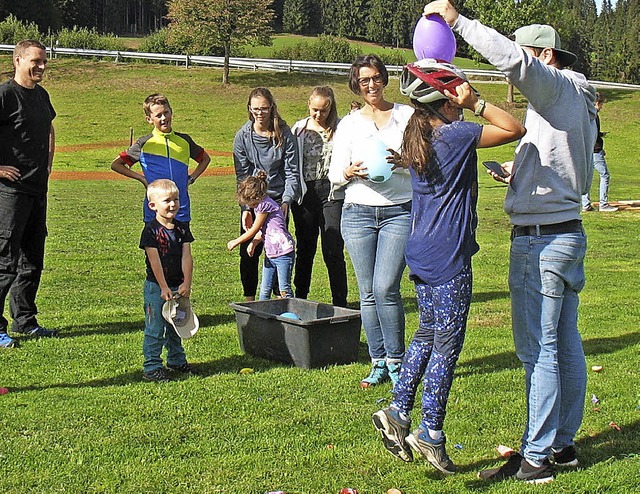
column 291, row 315
column 375, row 159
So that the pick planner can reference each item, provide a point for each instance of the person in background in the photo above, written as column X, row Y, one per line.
column 166, row 242
column 27, row 143
column 265, row 143
column 376, row 215
column 163, row 154
column 320, row 211
column 600, row 165
column 551, row 171
column 270, row 228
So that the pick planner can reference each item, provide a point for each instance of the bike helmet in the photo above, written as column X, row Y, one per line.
column 426, row 80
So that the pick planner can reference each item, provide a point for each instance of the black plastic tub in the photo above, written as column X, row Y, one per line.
column 323, row 334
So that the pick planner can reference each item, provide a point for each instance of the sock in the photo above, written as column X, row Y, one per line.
column 435, row 435
column 533, row 464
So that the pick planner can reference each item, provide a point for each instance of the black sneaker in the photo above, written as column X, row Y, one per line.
column 518, row 468
column 157, row 376
column 535, row 475
column 182, row 368
column 566, row 457
column 394, row 431
column 40, row 332
column 506, row 471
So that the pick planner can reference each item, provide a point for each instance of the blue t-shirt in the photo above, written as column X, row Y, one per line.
column 443, row 212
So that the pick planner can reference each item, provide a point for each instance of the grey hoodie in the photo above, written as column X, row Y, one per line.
column 252, row 152
column 553, row 161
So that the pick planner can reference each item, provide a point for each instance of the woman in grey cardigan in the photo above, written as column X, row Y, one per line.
column 264, row 142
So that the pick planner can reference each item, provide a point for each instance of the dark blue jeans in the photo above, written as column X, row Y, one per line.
column 23, row 232
column 158, row 333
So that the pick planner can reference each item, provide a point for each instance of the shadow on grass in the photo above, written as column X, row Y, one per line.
column 225, row 365
column 479, row 297
column 508, row 360
column 116, row 328
column 606, row 446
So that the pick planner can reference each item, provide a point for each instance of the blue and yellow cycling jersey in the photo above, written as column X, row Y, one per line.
column 165, row 156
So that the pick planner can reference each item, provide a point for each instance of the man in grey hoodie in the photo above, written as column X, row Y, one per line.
column 551, row 170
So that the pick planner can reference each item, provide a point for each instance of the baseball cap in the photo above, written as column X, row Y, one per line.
column 179, row 314
column 544, row 36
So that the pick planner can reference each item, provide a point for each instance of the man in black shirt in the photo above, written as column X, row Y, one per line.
column 26, row 152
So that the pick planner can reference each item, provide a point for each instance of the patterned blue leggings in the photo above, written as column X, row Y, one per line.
column 435, row 348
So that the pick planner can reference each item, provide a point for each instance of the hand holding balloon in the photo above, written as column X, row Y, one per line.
column 444, row 9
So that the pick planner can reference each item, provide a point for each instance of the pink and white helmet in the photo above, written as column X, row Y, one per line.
column 426, row 80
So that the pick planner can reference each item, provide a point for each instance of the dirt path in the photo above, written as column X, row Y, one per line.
column 118, row 144
column 109, row 175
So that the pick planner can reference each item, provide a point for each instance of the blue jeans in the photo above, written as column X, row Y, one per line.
column 280, row 267
column 376, row 237
column 545, row 275
column 159, row 333
column 435, row 348
column 600, row 165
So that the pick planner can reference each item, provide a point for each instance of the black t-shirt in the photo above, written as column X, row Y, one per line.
column 25, row 125
column 169, row 243
column 599, row 142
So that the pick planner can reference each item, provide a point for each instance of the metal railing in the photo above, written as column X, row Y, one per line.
column 271, row 64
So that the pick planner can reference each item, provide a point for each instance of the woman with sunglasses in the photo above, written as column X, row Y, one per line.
column 376, row 214
column 264, row 143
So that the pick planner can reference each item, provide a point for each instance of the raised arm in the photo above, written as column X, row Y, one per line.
column 502, row 128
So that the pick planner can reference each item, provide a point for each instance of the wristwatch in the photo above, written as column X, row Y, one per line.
column 482, row 104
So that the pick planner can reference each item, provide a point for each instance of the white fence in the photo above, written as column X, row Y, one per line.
column 270, row 64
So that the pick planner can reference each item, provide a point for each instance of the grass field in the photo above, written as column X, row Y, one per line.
column 78, row 417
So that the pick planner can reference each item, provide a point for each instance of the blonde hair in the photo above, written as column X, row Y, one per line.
column 253, row 189
column 332, row 118
column 162, row 185
column 154, row 99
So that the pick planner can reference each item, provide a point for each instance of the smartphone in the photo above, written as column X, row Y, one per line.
column 495, row 167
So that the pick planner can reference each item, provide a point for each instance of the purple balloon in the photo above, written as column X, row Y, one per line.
column 433, row 38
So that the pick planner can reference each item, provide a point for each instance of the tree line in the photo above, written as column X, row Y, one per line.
column 606, row 42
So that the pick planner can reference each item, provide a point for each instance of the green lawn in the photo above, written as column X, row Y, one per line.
column 78, row 418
